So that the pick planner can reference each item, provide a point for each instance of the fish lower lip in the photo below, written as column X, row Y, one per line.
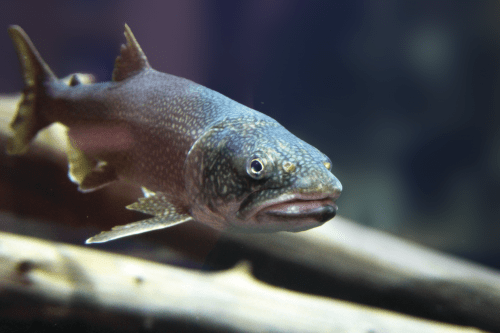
column 320, row 210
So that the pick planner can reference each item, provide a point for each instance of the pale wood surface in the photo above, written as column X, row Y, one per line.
column 351, row 253
column 73, row 281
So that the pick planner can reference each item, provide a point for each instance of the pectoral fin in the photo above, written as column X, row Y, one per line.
column 156, row 204
column 89, row 174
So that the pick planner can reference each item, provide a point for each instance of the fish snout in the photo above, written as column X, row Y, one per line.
column 324, row 189
column 318, row 182
column 336, row 188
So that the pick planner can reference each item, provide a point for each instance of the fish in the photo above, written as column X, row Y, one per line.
column 197, row 154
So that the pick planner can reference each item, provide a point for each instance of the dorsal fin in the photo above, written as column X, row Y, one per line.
column 131, row 59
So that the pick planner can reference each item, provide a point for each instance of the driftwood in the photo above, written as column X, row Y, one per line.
column 55, row 139
column 54, row 281
column 372, row 267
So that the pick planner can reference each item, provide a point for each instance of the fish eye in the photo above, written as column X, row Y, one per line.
column 258, row 166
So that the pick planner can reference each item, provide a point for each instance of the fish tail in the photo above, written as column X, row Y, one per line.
column 28, row 119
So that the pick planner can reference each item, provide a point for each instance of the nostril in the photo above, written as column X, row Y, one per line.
column 288, row 166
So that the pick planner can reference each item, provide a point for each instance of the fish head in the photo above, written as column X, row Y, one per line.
column 255, row 176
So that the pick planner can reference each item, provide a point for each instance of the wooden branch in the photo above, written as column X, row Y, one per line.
column 379, row 266
column 54, row 281
column 54, row 139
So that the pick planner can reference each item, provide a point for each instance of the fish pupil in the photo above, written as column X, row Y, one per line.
column 256, row 166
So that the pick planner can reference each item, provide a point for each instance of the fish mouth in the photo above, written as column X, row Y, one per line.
column 295, row 207
column 320, row 210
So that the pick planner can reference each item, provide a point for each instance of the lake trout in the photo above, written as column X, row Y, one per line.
column 197, row 154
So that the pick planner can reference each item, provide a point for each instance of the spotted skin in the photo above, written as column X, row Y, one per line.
column 197, row 154
column 222, row 189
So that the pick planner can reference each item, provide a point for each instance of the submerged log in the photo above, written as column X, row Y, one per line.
column 343, row 259
column 51, row 281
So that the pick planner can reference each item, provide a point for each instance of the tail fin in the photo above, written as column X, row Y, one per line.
column 36, row 73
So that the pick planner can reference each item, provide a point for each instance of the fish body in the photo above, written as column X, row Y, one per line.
column 197, row 154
